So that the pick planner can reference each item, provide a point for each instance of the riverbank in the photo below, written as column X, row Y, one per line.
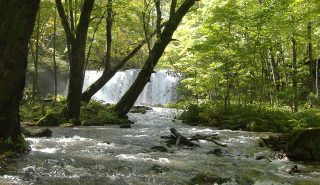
column 113, row 155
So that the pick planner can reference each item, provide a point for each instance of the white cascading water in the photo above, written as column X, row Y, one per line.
column 160, row 89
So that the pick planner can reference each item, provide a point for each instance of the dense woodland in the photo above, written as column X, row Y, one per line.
column 249, row 65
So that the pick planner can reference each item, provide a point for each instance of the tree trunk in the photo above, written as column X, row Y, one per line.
column 54, row 57
column 35, row 89
column 77, row 42
column 294, row 71
column 128, row 99
column 311, row 61
column 274, row 70
column 17, row 23
column 107, row 75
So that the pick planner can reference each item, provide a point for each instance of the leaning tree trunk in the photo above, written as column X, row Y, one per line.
column 128, row 99
column 108, row 73
column 17, row 22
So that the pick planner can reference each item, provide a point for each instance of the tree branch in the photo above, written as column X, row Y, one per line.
column 64, row 20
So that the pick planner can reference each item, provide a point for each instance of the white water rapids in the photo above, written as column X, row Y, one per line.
column 110, row 155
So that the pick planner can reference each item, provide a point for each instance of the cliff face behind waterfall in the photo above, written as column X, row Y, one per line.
column 160, row 89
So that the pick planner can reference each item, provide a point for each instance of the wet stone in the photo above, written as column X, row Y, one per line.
column 158, row 169
column 304, row 144
column 125, row 126
column 92, row 122
column 204, row 178
column 159, row 149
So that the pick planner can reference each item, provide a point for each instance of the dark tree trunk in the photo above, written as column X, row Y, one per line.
column 128, row 99
column 77, row 59
column 17, row 23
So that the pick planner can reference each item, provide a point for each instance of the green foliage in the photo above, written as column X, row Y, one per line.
column 98, row 110
column 192, row 115
column 10, row 154
column 8, row 141
column 172, row 105
column 22, row 144
column 18, row 144
column 31, row 109
column 252, row 117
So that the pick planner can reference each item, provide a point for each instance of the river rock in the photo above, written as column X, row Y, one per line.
column 125, row 126
column 25, row 131
column 35, row 132
column 159, row 149
column 42, row 132
column 92, row 122
column 304, row 144
column 158, row 169
column 204, row 178
column 51, row 119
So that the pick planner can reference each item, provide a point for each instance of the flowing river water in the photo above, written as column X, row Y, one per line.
column 115, row 156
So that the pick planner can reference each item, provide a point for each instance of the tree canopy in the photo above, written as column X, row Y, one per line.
column 235, row 54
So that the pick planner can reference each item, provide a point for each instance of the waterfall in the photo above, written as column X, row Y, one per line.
column 160, row 89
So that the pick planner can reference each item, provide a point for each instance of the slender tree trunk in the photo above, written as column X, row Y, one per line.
column 17, row 23
column 294, row 75
column 311, row 60
column 108, row 73
column 317, row 77
column 35, row 88
column 128, row 99
column 274, row 70
column 54, row 57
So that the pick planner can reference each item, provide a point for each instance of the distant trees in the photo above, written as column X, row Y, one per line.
column 17, row 22
column 245, row 52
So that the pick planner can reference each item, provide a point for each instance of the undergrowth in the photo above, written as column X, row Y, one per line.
column 32, row 111
column 253, row 117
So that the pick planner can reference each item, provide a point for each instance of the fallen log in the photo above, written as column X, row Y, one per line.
column 181, row 138
column 207, row 138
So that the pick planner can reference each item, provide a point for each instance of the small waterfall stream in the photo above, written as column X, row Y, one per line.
column 109, row 155
column 160, row 89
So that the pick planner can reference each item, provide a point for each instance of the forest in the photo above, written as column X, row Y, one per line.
column 246, row 109
column 249, row 65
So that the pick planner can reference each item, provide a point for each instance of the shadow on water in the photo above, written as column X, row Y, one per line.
column 111, row 155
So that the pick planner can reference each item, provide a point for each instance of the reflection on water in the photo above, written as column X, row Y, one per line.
column 110, row 155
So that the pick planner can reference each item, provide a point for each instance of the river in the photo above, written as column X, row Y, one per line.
column 115, row 156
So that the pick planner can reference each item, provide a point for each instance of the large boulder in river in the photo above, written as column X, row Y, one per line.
column 51, row 119
column 35, row 132
column 304, row 144
column 92, row 122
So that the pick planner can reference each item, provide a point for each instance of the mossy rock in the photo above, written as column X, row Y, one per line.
column 51, row 119
column 10, row 154
column 67, row 125
column 42, row 132
column 205, row 178
column 92, row 122
column 304, row 144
